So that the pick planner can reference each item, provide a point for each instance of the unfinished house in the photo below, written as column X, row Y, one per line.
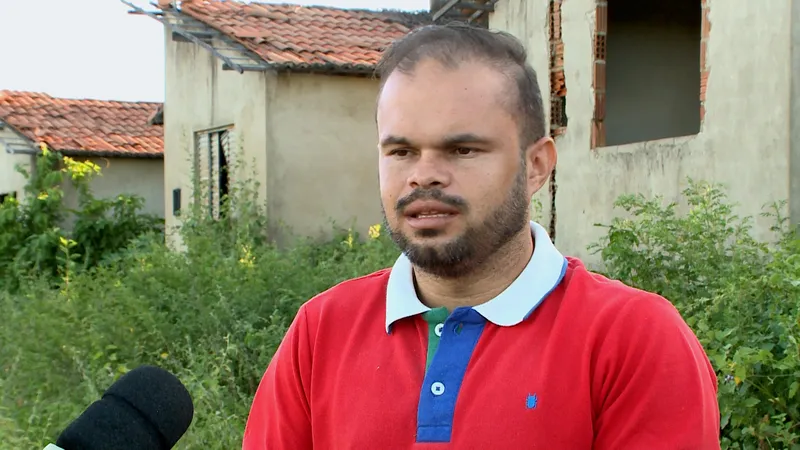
column 123, row 138
column 283, row 94
column 643, row 95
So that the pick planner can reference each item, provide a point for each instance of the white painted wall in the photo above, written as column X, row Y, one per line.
column 10, row 179
column 143, row 177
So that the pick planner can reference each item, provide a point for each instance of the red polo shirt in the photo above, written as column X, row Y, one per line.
column 562, row 359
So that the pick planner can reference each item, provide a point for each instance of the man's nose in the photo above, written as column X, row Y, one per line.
column 430, row 171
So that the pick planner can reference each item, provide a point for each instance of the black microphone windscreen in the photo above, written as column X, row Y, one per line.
column 146, row 409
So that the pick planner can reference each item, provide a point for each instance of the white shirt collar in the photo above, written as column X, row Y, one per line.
column 543, row 273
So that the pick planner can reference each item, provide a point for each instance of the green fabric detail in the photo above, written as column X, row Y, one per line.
column 434, row 317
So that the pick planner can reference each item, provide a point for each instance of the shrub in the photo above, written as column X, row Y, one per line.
column 739, row 295
column 215, row 313
column 33, row 238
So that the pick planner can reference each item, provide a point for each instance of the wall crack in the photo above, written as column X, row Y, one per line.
column 558, row 97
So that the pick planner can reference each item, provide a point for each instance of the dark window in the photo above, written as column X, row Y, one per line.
column 647, row 70
column 7, row 195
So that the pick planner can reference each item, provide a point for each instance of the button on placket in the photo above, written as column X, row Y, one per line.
column 437, row 387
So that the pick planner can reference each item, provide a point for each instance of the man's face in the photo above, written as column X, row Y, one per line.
column 454, row 184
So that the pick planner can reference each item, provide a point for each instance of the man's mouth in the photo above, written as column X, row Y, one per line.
column 430, row 214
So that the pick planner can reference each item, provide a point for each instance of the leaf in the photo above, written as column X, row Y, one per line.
column 751, row 402
column 793, row 389
column 740, row 373
column 725, row 419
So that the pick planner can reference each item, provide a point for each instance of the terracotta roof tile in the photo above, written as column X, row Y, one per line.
column 307, row 38
column 84, row 126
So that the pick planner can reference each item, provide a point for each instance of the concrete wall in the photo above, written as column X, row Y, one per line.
column 794, row 119
column 527, row 21
column 201, row 96
column 138, row 176
column 323, row 158
column 743, row 142
column 10, row 179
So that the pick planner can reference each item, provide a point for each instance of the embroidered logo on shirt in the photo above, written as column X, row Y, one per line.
column 531, row 401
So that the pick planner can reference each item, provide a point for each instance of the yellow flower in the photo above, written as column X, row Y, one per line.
column 247, row 259
column 350, row 239
column 79, row 170
column 375, row 231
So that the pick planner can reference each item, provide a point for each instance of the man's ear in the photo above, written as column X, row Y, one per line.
column 540, row 158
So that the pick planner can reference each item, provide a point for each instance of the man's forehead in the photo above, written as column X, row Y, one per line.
column 429, row 70
column 434, row 86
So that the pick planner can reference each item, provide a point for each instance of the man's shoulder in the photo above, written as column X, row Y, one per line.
column 620, row 321
column 602, row 299
column 351, row 296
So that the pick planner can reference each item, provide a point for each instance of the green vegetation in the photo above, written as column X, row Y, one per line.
column 79, row 309
column 739, row 295
column 33, row 241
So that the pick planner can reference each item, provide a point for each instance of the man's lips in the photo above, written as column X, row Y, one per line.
column 428, row 209
column 429, row 214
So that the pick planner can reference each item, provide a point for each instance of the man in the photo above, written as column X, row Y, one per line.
column 482, row 335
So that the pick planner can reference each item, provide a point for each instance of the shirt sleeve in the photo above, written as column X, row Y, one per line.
column 654, row 386
column 280, row 416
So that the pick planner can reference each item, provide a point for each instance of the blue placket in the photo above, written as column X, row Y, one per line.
column 445, row 374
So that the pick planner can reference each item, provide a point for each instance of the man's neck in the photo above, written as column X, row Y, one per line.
column 481, row 285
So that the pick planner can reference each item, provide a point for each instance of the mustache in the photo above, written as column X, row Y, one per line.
column 431, row 194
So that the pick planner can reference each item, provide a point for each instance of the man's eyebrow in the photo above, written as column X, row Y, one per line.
column 464, row 138
column 447, row 142
column 395, row 140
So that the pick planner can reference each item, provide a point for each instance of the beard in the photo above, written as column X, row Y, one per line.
column 478, row 243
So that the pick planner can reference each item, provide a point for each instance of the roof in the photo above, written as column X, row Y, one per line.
column 307, row 38
column 84, row 127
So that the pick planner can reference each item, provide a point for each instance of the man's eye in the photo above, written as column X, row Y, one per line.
column 464, row 151
column 401, row 152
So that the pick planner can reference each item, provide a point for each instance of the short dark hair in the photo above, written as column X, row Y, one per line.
column 457, row 42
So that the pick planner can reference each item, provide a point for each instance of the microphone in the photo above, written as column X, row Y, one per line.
column 146, row 409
